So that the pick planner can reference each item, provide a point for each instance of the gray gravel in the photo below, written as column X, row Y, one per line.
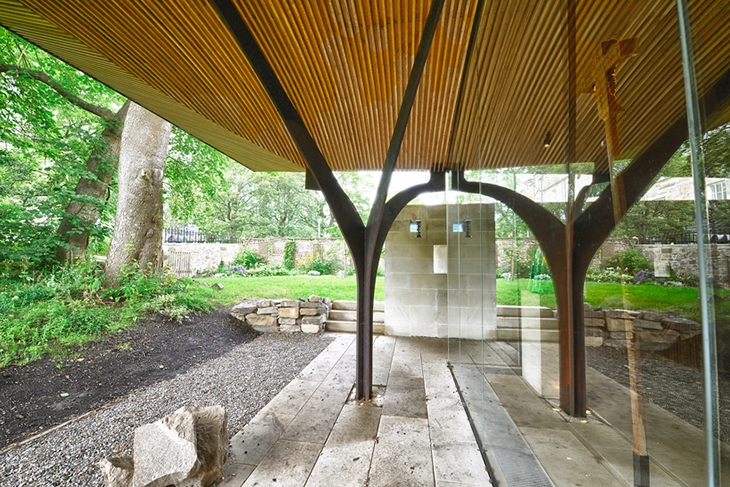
column 674, row 387
column 242, row 381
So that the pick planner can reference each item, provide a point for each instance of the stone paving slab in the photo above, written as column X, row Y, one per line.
column 288, row 463
column 349, row 449
column 402, row 454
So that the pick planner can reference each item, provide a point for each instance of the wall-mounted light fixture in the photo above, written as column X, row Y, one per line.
column 462, row 227
column 547, row 141
column 415, row 227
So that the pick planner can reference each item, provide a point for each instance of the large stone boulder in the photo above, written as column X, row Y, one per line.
column 185, row 449
column 117, row 471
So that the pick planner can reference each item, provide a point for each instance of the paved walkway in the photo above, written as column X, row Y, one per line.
column 416, row 432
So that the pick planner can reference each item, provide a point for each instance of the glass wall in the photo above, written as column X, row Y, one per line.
column 606, row 359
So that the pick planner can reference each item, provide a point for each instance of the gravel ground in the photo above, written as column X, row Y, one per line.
column 674, row 387
column 242, row 381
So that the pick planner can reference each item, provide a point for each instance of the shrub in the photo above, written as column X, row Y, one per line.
column 630, row 261
column 248, row 259
column 289, row 249
column 272, row 270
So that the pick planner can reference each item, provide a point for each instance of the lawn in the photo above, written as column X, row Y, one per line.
column 608, row 295
column 289, row 287
column 682, row 300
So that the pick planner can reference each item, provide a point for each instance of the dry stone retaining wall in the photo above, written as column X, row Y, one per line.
column 284, row 315
column 653, row 331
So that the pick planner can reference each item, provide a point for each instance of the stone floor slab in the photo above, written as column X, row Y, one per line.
column 402, row 454
column 459, row 462
column 288, row 463
column 255, row 440
column 349, row 449
column 382, row 359
column 405, row 401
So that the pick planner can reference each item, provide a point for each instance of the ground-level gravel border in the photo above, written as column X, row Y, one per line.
column 243, row 381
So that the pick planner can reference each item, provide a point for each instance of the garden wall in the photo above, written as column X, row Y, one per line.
column 189, row 259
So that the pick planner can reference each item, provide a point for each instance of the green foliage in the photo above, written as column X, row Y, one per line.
column 272, row 270
column 289, row 249
column 318, row 261
column 629, row 261
column 68, row 307
column 249, row 259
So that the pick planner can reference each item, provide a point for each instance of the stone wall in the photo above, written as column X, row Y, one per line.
column 443, row 283
column 284, row 315
column 189, row 259
column 682, row 260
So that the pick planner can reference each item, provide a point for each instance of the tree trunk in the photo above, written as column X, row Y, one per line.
column 83, row 213
column 138, row 226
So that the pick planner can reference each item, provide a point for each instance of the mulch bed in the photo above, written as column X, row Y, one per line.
column 48, row 392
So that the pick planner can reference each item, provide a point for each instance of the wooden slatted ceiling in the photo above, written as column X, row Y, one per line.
column 519, row 77
column 185, row 51
column 345, row 64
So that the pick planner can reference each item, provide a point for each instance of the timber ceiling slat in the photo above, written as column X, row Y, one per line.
column 60, row 43
column 204, row 72
column 345, row 65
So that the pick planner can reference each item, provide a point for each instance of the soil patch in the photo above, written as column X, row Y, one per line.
column 48, row 392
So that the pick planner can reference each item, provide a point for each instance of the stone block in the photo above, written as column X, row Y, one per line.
column 271, row 310
column 117, row 471
column 243, row 308
column 651, row 316
column 615, row 343
column 288, row 321
column 313, row 311
column 289, row 303
column 312, row 320
column 595, row 323
column 594, row 341
column 647, row 324
column 315, row 299
column 688, row 328
column 311, row 328
column 596, row 332
column 597, row 314
column 619, row 324
column 289, row 312
column 263, row 323
column 307, row 304
column 622, row 314
column 263, row 303
column 289, row 328
column 188, row 447
column 665, row 336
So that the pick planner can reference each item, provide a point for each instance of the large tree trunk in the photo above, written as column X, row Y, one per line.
column 83, row 212
column 138, row 226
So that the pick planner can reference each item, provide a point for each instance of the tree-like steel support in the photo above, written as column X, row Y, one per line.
column 589, row 229
column 365, row 241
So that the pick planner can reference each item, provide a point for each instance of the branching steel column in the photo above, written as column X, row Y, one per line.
column 364, row 243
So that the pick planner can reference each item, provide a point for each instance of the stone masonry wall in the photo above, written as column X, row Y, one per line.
column 284, row 315
column 189, row 259
column 443, row 283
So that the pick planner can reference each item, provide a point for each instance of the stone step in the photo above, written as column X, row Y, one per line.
column 378, row 306
column 525, row 311
column 346, row 315
column 527, row 323
column 530, row 335
column 351, row 327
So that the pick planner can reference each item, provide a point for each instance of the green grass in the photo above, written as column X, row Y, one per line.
column 608, row 295
column 289, row 287
column 57, row 314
